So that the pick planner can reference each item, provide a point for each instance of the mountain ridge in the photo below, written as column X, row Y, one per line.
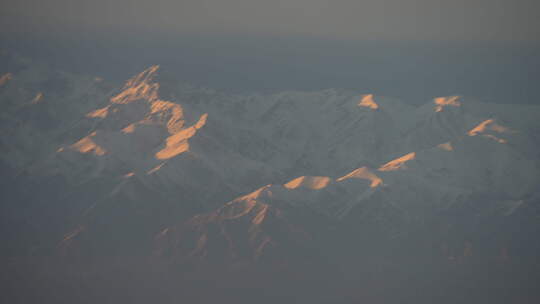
column 196, row 181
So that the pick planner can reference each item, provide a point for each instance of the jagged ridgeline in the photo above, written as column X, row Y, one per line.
column 327, row 179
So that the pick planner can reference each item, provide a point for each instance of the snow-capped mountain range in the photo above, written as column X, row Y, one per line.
column 167, row 169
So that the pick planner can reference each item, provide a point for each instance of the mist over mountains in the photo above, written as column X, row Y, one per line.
column 203, row 195
column 414, row 71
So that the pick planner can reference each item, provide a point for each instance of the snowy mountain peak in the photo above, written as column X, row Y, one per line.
column 178, row 142
column 310, row 182
column 363, row 173
column 255, row 194
column 491, row 129
column 88, row 145
column 138, row 128
column 449, row 101
column 139, row 87
column 147, row 76
column 99, row 113
column 398, row 163
column 367, row 101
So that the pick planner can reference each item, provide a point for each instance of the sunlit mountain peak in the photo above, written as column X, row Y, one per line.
column 363, row 173
column 367, row 101
column 491, row 129
column 450, row 101
column 398, row 163
column 310, row 182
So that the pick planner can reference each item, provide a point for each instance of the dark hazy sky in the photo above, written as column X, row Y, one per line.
column 487, row 20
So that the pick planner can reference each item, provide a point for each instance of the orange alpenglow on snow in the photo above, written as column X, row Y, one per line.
column 160, row 112
column 178, row 143
column 441, row 102
column 87, row 145
column 398, row 163
column 490, row 126
column 368, row 102
column 310, row 182
column 363, row 173
column 261, row 214
column 238, row 208
column 99, row 113
column 129, row 129
column 139, row 87
column 254, row 196
column 175, row 122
